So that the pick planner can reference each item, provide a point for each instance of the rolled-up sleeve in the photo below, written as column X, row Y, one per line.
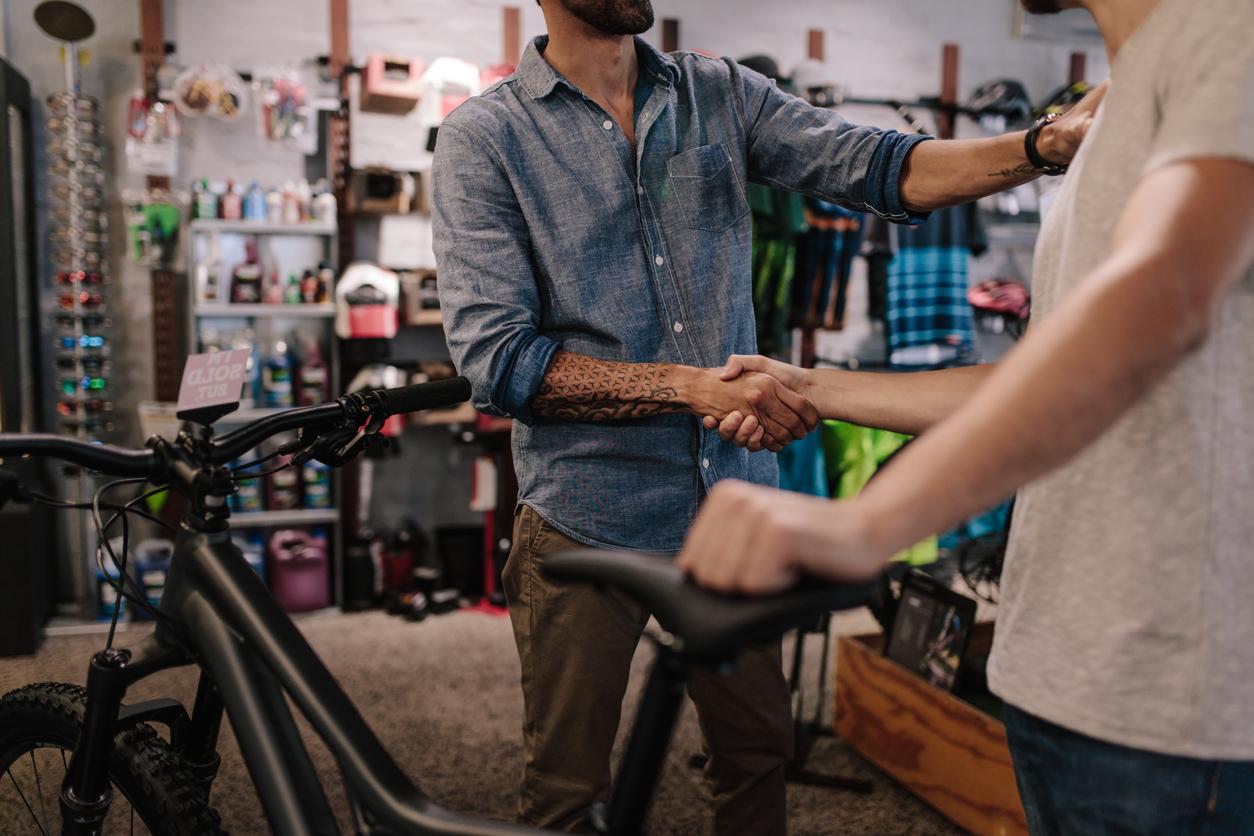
column 488, row 292
column 795, row 146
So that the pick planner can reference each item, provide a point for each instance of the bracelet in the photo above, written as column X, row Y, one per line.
column 1038, row 162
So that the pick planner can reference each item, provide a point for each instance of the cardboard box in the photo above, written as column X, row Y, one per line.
column 940, row 747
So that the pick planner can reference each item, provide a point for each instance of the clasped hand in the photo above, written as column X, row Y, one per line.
column 760, row 411
column 764, row 404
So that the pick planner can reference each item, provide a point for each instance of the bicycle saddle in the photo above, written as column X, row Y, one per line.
column 711, row 627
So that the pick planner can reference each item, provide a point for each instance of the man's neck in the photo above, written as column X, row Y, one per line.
column 1118, row 19
column 604, row 67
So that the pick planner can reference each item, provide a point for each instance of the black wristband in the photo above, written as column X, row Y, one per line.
column 1038, row 162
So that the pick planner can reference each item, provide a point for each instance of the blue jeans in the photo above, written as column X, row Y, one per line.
column 1072, row 784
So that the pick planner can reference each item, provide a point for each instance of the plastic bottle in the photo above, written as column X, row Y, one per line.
column 246, row 278
column 274, row 289
column 317, row 479
column 291, row 293
column 276, row 376
column 274, row 206
column 311, row 388
column 291, row 203
column 283, row 486
column 326, row 278
column 206, row 200
column 208, row 274
column 247, row 496
column 309, row 288
column 232, row 203
column 255, row 203
column 304, row 199
column 324, row 207
column 243, row 338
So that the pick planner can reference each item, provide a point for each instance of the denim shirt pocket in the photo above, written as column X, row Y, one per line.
column 710, row 194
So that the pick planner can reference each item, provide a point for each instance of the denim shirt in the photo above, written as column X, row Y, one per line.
column 551, row 231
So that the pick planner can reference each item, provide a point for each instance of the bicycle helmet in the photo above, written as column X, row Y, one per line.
column 1005, row 97
column 1000, row 296
column 1062, row 99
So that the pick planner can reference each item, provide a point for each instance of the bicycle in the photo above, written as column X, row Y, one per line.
column 216, row 613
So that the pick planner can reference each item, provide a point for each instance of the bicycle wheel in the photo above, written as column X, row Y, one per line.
column 154, row 792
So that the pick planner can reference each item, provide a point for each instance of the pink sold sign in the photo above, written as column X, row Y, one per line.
column 213, row 379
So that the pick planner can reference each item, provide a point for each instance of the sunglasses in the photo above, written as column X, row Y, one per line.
column 84, row 298
column 69, row 342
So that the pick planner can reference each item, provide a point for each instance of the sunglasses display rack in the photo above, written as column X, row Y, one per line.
column 78, row 236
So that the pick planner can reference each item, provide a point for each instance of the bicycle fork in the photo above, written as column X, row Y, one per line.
column 87, row 791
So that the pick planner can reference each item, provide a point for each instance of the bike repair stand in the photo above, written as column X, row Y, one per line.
column 805, row 732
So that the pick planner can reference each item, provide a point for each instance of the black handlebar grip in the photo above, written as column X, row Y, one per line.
column 432, row 395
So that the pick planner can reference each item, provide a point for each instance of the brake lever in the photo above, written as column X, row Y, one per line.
column 340, row 446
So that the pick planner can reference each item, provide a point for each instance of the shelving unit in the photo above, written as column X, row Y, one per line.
column 298, row 516
column 231, row 309
column 287, row 248
column 203, row 225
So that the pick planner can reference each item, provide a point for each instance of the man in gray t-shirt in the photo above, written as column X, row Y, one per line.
column 1125, row 639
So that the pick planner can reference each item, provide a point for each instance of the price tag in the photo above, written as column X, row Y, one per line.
column 212, row 382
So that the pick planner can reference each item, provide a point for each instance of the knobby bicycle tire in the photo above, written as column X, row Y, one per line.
column 164, row 793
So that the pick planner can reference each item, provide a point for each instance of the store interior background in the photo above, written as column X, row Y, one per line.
column 873, row 49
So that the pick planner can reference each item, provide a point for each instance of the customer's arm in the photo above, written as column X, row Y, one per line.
column 795, row 146
column 904, row 403
column 491, row 304
column 1182, row 242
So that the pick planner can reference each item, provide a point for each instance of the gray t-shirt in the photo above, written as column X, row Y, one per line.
column 1128, row 593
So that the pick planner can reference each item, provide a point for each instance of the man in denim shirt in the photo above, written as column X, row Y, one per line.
column 593, row 242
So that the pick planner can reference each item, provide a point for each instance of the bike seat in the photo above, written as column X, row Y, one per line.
column 710, row 626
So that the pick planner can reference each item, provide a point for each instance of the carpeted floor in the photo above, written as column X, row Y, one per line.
column 443, row 696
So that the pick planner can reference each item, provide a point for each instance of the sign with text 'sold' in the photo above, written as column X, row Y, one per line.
column 212, row 383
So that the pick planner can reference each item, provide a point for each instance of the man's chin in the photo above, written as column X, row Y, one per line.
column 614, row 17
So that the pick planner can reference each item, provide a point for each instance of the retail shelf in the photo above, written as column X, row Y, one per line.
column 463, row 414
column 300, row 516
column 317, row 311
column 431, row 317
column 261, row 227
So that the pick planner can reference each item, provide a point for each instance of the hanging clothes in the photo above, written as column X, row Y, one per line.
column 825, row 254
column 778, row 219
column 853, row 453
column 803, row 467
column 877, row 249
column 928, row 317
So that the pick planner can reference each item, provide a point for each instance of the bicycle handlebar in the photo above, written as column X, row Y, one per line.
column 107, row 458
column 123, row 461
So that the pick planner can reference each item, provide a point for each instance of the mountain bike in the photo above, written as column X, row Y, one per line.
column 82, row 761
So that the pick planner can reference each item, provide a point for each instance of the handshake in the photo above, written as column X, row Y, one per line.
column 754, row 402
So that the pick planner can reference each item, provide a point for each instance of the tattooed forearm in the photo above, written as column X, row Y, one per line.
column 1018, row 171
column 582, row 388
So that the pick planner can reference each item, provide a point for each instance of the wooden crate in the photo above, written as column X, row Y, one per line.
column 941, row 748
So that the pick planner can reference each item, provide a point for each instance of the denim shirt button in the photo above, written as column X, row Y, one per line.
column 679, row 327
column 705, row 463
column 659, row 261
column 607, row 124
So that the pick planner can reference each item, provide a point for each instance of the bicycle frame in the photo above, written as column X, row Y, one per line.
column 252, row 656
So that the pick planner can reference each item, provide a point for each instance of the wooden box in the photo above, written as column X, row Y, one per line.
column 941, row 748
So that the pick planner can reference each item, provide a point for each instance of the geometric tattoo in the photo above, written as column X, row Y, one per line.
column 582, row 388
